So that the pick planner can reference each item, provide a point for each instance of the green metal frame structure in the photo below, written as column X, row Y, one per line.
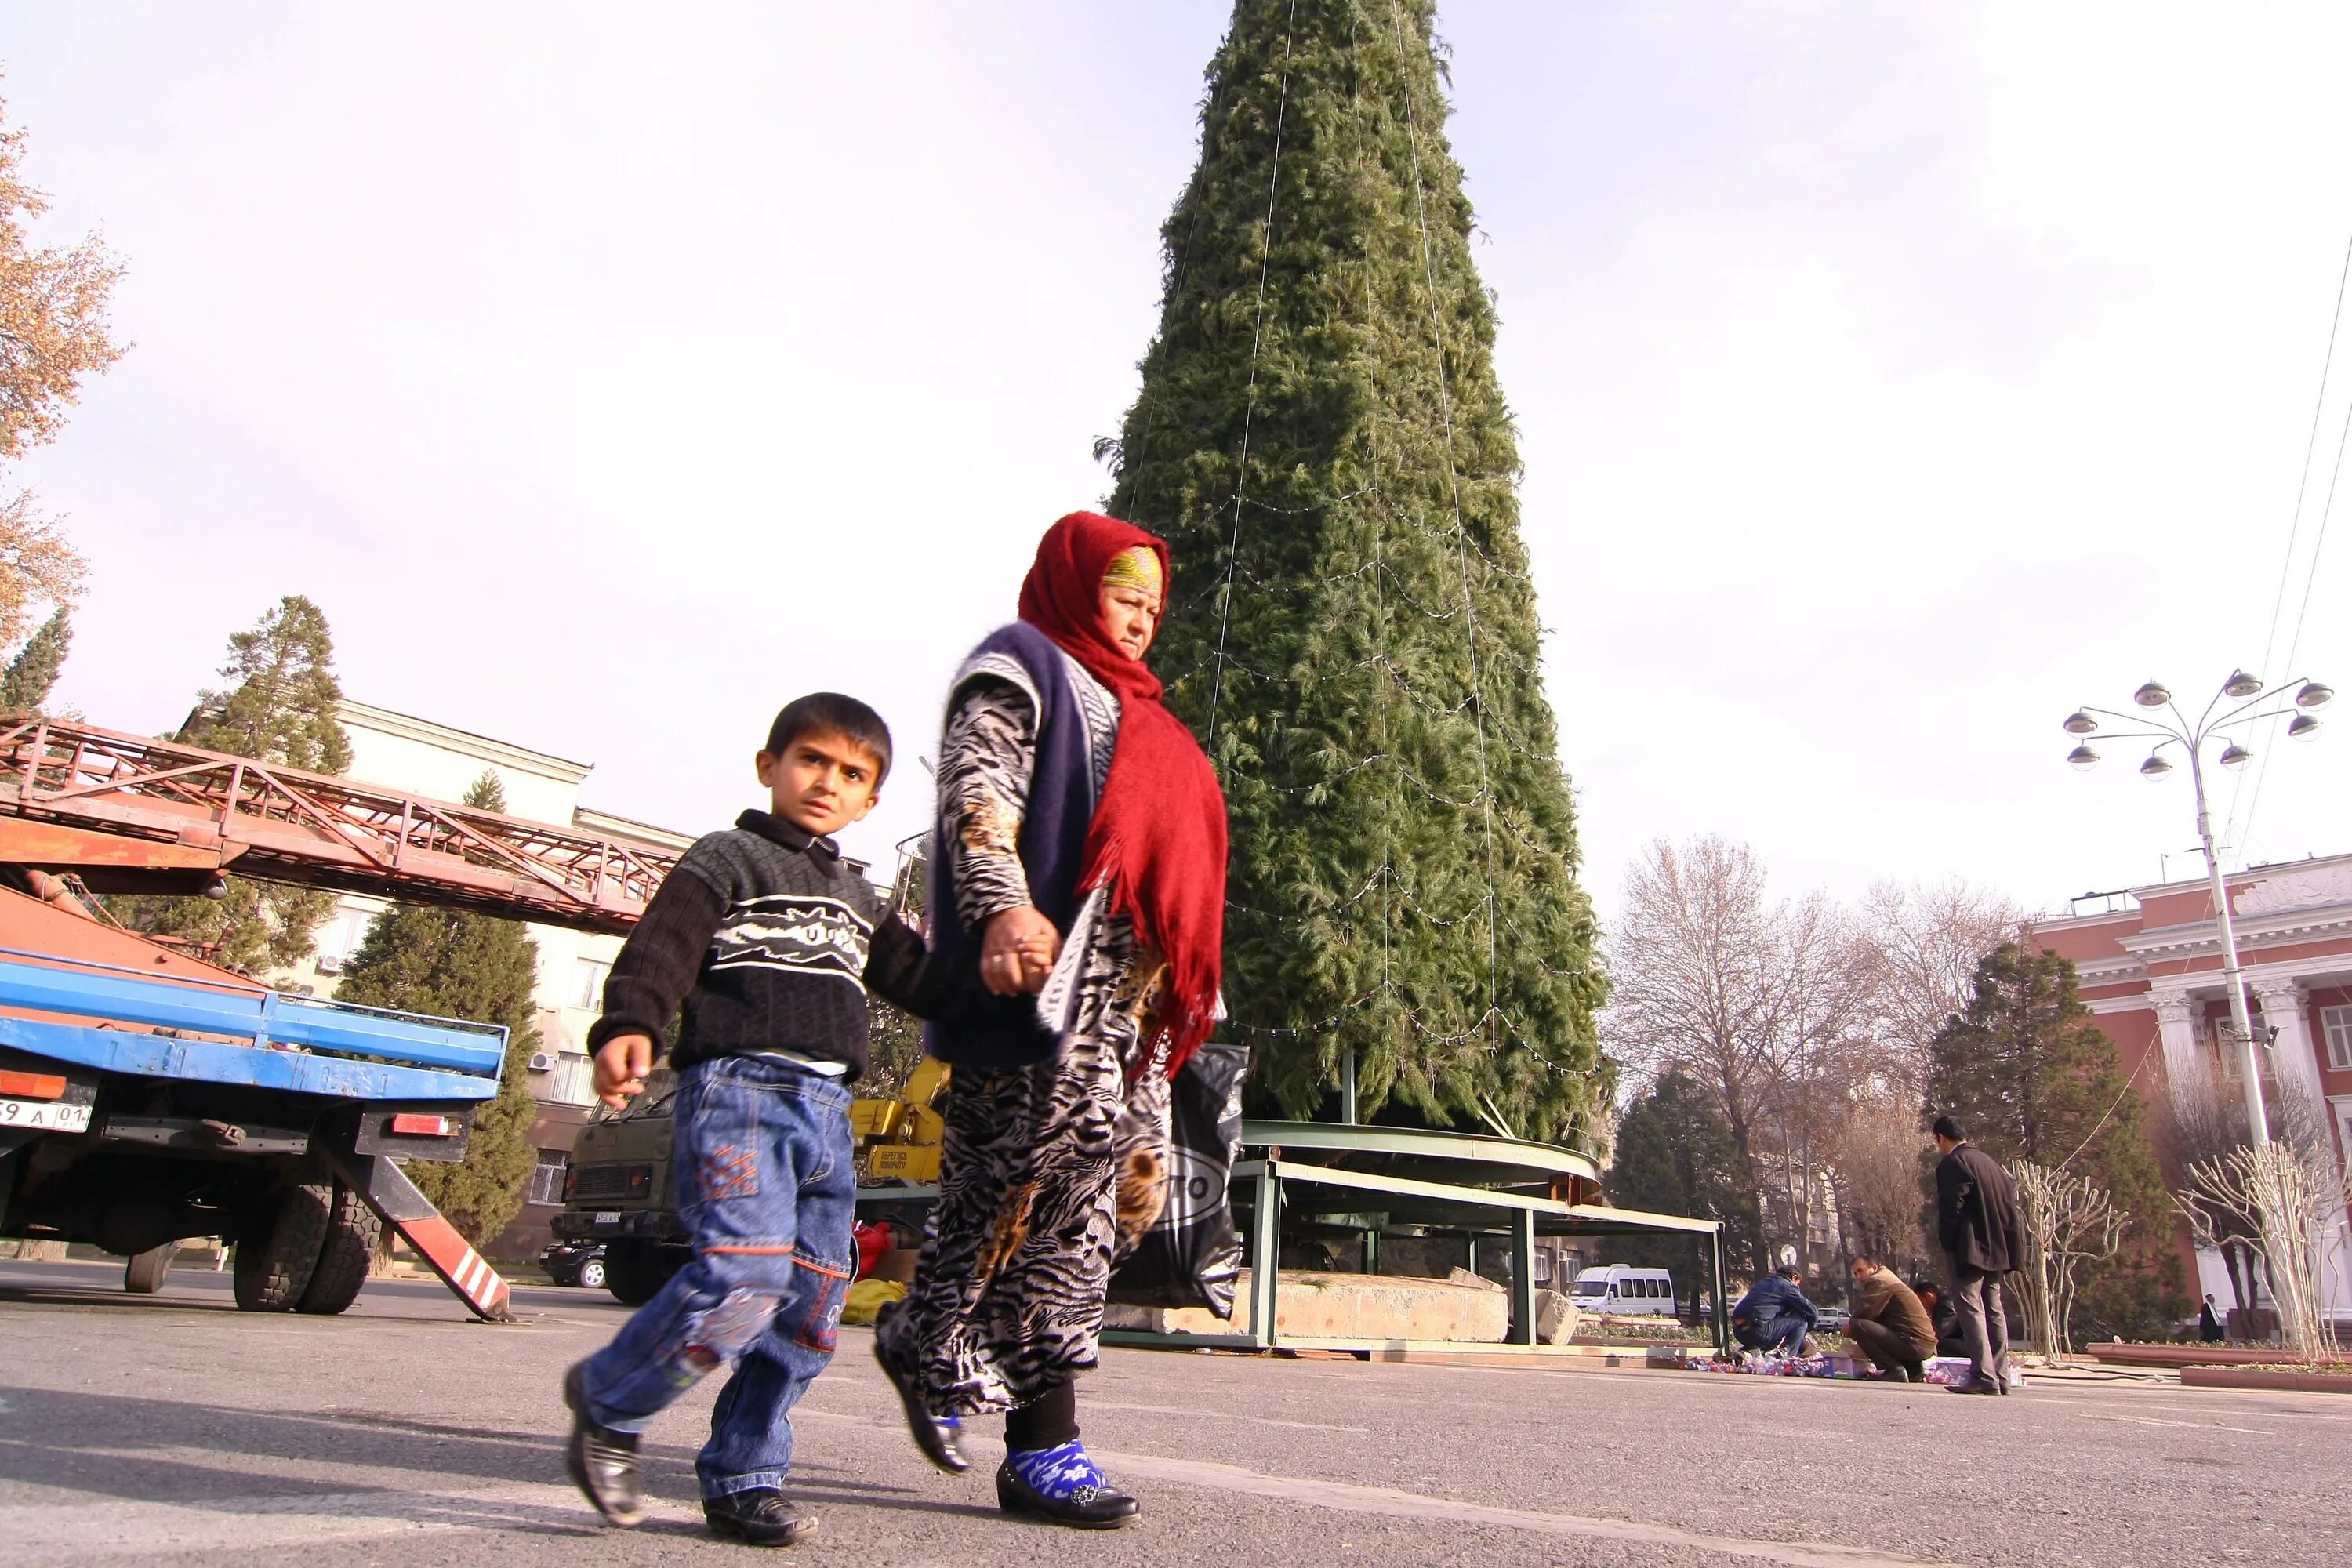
column 1368, row 1178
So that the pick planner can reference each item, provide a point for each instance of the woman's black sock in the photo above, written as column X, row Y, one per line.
column 1047, row 1421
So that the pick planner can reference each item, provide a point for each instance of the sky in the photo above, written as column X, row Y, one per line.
column 1890, row 379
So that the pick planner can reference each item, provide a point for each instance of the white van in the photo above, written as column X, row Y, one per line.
column 1619, row 1290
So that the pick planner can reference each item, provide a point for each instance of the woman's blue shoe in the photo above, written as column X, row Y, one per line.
column 1062, row 1486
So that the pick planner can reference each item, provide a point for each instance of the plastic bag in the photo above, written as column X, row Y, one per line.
column 1193, row 1256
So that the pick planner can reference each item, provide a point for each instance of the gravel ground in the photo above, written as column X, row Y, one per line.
column 173, row 1429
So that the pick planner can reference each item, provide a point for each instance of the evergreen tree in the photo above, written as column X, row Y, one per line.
column 1676, row 1155
column 2031, row 1075
column 278, row 707
column 1352, row 630
column 454, row 963
column 33, row 674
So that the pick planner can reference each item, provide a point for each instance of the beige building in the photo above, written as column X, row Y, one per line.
column 418, row 756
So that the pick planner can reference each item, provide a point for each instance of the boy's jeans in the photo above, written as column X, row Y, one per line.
column 766, row 1182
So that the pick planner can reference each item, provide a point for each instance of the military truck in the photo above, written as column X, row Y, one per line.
column 620, row 1190
column 622, row 1187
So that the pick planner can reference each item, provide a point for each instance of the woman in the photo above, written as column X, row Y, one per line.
column 1080, row 860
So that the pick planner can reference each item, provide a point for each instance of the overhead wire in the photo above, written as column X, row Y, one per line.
column 2286, row 566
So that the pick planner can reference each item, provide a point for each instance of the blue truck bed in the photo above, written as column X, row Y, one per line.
column 275, row 1041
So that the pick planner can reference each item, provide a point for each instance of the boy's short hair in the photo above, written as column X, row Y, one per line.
column 1949, row 1127
column 843, row 716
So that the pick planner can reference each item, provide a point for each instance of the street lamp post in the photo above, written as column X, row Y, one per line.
column 2249, row 694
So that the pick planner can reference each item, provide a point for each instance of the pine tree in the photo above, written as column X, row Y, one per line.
column 453, row 964
column 1352, row 630
column 1674, row 1154
column 2031, row 1075
column 33, row 674
column 279, row 707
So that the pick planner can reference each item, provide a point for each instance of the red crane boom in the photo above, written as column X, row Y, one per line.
column 129, row 814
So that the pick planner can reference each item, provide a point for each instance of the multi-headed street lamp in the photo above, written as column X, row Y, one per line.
column 2247, row 694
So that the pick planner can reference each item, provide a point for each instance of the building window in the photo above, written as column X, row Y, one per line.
column 591, row 984
column 338, row 939
column 1543, row 1267
column 547, row 1177
column 2336, row 1023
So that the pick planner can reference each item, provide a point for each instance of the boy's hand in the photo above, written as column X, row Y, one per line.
column 621, row 1063
column 1018, row 950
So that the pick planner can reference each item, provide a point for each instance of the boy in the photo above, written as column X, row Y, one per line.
column 771, row 943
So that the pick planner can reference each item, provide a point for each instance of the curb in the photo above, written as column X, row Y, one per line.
column 2266, row 1377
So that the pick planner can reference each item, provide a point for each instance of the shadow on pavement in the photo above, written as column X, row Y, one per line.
column 91, row 1443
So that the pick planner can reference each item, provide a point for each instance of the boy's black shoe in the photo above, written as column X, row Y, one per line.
column 1102, row 1506
column 602, row 1463
column 940, row 1441
column 758, row 1518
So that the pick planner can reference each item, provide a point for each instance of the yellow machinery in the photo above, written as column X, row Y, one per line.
column 898, row 1139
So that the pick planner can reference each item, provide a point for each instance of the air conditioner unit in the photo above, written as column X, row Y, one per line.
column 329, row 965
column 542, row 1061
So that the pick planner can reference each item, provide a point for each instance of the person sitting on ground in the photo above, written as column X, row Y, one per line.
column 1775, row 1315
column 1942, row 1314
column 1889, row 1322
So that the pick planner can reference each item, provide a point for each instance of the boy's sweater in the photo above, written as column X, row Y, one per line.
column 772, row 942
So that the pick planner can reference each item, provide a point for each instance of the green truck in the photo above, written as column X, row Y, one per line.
column 621, row 1193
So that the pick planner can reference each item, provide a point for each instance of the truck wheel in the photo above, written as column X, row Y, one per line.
column 143, row 1274
column 636, row 1271
column 276, row 1260
column 352, row 1230
column 592, row 1274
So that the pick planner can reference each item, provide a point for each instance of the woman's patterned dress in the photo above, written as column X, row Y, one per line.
column 1049, row 1174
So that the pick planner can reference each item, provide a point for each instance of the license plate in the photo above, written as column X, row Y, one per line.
column 52, row 1115
column 606, row 1217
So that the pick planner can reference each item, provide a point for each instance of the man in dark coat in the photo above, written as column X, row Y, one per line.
column 1976, row 1219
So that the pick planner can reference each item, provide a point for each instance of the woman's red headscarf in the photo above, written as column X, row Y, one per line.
column 1158, row 838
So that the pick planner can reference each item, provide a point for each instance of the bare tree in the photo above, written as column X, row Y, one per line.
column 1757, row 1000
column 2290, row 1194
column 2068, row 1221
column 54, row 333
column 1879, row 1197
column 1917, row 951
column 2207, row 1114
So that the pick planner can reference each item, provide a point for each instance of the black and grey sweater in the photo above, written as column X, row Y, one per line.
column 772, row 942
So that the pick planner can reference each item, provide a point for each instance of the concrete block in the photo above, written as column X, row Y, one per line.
column 1314, row 1305
column 1556, row 1318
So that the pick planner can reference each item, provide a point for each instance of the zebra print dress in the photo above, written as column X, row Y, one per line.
column 1049, row 1174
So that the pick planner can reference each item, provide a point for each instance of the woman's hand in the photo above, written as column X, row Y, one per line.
column 1018, row 950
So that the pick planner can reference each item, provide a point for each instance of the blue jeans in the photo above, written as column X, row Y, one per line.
column 1783, row 1331
column 766, row 1182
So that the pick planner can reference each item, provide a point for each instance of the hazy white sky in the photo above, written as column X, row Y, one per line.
column 1890, row 378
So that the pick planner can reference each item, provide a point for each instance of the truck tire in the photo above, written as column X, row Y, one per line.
column 276, row 1259
column 352, row 1230
column 143, row 1274
column 634, row 1271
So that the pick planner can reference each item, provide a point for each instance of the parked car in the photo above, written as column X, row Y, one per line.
column 575, row 1263
column 1834, row 1320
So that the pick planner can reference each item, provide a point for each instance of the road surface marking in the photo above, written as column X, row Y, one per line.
column 1222, row 1416
column 237, row 1527
column 1343, row 1497
column 2191, row 1425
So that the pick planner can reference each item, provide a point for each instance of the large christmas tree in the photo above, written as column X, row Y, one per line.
column 1352, row 631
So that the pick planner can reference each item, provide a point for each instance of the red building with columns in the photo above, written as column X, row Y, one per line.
column 2150, row 967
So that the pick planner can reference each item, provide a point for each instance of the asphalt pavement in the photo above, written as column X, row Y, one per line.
column 174, row 1430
